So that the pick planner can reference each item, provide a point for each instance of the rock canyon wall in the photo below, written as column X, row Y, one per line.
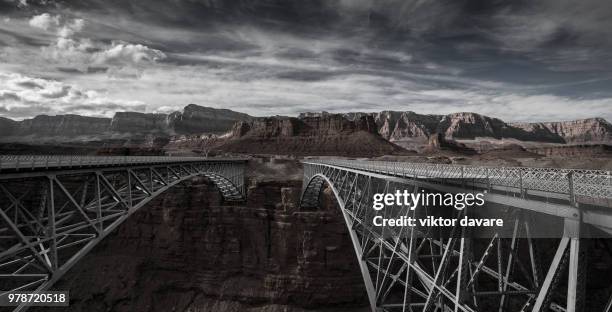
column 320, row 135
column 192, row 119
column 400, row 126
column 189, row 251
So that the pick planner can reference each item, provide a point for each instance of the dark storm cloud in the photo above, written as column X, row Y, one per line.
column 490, row 56
column 484, row 21
column 24, row 39
column 306, row 75
column 69, row 70
column 29, row 85
column 464, row 28
column 9, row 96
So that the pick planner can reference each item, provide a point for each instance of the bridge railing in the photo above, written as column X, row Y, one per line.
column 573, row 182
column 16, row 162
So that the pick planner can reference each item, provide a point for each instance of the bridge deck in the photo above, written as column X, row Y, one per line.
column 13, row 163
column 55, row 209
column 568, row 184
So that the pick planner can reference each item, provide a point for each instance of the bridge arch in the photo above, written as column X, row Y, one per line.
column 52, row 215
column 310, row 199
column 412, row 271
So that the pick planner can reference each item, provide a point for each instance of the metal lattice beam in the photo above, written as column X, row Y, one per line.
column 55, row 210
column 408, row 269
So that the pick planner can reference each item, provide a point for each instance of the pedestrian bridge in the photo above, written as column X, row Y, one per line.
column 55, row 209
column 419, row 269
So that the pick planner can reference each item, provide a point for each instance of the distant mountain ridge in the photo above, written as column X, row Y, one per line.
column 192, row 119
column 397, row 126
column 591, row 130
column 400, row 127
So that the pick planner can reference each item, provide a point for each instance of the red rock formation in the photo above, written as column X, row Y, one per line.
column 192, row 120
column 196, row 119
column 409, row 126
column 240, row 128
column 590, row 150
column 394, row 126
column 471, row 125
column 337, row 124
column 413, row 125
column 440, row 142
column 592, row 130
column 133, row 122
column 326, row 135
column 267, row 127
column 187, row 251
column 62, row 125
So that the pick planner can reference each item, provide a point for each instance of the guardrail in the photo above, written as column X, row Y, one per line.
column 572, row 182
column 17, row 162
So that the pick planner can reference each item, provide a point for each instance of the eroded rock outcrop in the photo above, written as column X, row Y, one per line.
column 196, row 119
column 330, row 134
column 193, row 120
column 62, row 125
column 471, row 125
column 440, row 142
column 267, row 127
column 411, row 124
column 590, row 150
column 133, row 122
column 592, row 130
column 402, row 128
column 398, row 126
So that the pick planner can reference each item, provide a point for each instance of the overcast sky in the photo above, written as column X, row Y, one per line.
column 516, row 60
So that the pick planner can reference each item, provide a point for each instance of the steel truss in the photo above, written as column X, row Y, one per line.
column 566, row 184
column 411, row 269
column 51, row 216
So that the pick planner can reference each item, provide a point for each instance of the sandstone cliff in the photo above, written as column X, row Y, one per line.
column 62, row 125
column 409, row 126
column 196, row 119
column 193, row 119
column 187, row 251
column 438, row 142
column 133, row 122
column 590, row 150
column 407, row 129
column 322, row 135
column 400, row 125
column 592, row 130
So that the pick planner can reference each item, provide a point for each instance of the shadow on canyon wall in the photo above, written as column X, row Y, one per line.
column 189, row 251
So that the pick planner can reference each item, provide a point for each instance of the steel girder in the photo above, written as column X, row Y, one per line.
column 407, row 270
column 592, row 186
column 51, row 217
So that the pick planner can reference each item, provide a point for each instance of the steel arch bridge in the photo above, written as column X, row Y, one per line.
column 408, row 269
column 55, row 209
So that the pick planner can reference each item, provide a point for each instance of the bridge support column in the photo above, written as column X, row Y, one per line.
column 576, row 268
